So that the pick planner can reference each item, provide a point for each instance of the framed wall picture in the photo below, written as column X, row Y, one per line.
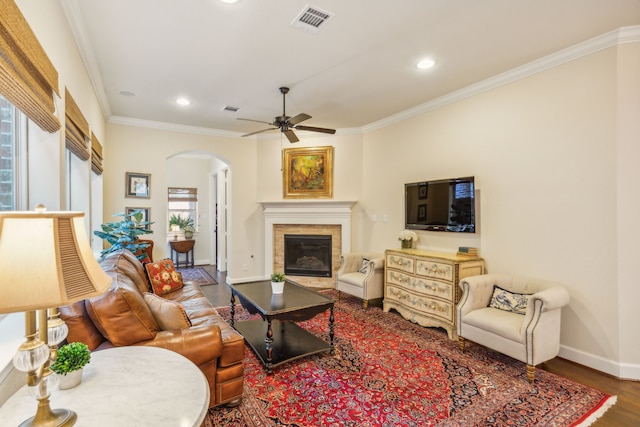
column 422, row 191
column 422, row 213
column 138, row 185
column 146, row 212
column 307, row 172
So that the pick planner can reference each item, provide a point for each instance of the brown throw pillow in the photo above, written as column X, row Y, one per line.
column 170, row 315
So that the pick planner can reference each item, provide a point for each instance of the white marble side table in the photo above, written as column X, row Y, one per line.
column 127, row 386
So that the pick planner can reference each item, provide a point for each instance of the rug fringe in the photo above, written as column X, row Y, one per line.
column 597, row 413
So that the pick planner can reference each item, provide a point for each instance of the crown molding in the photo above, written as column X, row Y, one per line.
column 588, row 47
column 127, row 121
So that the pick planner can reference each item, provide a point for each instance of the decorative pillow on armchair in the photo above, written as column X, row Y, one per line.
column 364, row 267
column 509, row 301
column 163, row 276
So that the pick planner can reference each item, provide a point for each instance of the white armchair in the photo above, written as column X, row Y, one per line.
column 351, row 279
column 532, row 337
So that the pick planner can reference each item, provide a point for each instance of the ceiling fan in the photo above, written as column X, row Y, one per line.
column 286, row 124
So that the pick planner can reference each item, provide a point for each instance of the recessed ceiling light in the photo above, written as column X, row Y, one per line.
column 426, row 63
column 183, row 101
column 126, row 93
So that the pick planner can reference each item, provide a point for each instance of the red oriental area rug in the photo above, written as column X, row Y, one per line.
column 388, row 371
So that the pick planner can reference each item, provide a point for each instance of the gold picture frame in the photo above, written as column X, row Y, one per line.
column 307, row 172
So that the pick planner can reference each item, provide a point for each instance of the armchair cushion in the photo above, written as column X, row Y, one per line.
column 509, row 301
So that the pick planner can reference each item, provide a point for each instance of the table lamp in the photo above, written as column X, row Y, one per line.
column 46, row 262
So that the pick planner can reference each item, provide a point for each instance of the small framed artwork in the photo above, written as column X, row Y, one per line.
column 307, row 172
column 422, row 213
column 138, row 185
column 145, row 214
column 422, row 191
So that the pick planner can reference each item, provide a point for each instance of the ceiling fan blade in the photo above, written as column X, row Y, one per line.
column 315, row 129
column 257, row 121
column 260, row 131
column 297, row 119
column 290, row 136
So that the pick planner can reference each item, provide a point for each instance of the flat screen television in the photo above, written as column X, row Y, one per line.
column 442, row 205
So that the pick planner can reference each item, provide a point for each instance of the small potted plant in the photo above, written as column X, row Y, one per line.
column 70, row 360
column 188, row 231
column 277, row 283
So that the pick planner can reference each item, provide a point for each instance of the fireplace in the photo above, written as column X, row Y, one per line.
column 307, row 255
column 318, row 217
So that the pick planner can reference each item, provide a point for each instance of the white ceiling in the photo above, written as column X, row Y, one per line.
column 359, row 69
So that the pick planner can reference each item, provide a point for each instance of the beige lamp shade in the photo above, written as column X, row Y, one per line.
column 46, row 261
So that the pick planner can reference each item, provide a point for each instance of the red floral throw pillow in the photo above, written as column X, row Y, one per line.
column 163, row 277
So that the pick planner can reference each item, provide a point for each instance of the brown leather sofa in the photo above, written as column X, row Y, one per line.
column 121, row 317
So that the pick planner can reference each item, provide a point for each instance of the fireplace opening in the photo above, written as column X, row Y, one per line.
column 307, row 255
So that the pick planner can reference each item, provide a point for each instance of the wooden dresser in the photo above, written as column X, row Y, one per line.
column 423, row 286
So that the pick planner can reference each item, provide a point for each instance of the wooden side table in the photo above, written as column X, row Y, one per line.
column 182, row 247
column 126, row 386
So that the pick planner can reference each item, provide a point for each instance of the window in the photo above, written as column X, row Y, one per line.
column 183, row 203
column 10, row 147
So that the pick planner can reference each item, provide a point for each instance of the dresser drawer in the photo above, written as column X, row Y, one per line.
column 399, row 262
column 434, row 269
column 398, row 278
column 433, row 288
column 423, row 304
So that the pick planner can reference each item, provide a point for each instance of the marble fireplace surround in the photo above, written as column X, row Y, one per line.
column 305, row 212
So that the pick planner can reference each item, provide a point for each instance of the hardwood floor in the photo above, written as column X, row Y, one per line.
column 625, row 413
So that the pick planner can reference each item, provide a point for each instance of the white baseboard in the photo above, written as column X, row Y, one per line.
column 231, row 281
column 625, row 371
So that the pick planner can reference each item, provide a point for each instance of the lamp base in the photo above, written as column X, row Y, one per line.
column 47, row 417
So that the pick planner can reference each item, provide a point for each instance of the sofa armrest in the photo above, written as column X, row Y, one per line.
column 200, row 344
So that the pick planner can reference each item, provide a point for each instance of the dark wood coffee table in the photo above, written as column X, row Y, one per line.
column 284, row 340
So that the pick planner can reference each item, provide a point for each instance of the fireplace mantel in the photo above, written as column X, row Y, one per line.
column 305, row 212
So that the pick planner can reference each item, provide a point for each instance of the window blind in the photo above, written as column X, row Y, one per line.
column 96, row 155
column 28, row 79
column 76, row 128
column 180, row 194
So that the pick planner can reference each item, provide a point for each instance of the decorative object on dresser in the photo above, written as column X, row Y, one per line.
column 407, row 237
column 361, row 274
column 517, row 316
column 423, row 285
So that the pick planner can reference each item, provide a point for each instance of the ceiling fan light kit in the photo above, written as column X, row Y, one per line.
column 286, row 124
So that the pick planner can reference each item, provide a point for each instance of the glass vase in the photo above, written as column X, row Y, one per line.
column 407, row 244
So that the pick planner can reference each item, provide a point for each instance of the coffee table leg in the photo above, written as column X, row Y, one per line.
column 233, row 307
column 268, row 345
column 331, row 330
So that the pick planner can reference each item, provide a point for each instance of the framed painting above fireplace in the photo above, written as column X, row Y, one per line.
column 307, row 173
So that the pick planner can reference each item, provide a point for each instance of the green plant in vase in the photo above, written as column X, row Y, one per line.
column 125, row 234
column 71, row 357
column 277, row 282
column 70, row 360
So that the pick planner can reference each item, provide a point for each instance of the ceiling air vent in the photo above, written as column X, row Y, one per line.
column 230, row 108
column 311, row 19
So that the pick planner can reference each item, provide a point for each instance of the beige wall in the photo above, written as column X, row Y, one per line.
column 543, row 151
